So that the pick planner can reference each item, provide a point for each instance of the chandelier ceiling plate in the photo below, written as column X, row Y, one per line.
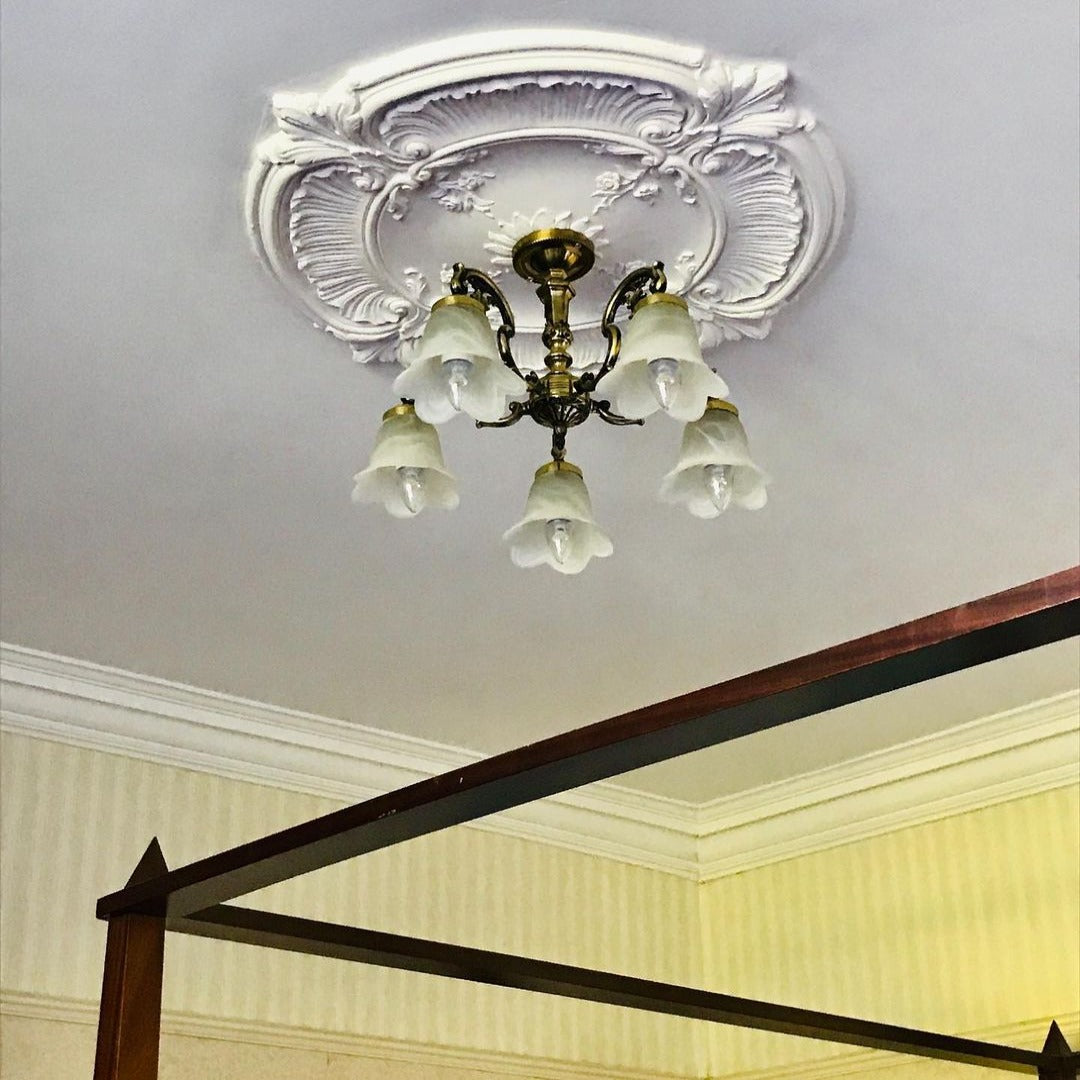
column 563, row 251
column 365, row 192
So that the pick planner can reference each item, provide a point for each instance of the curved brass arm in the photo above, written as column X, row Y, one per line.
column 468, row 281
column 603, row 410
column 515, row 411
column 627, row 293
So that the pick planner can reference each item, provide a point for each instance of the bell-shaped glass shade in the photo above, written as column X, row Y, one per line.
column 660, row 363
column 406, row 471
column 715, row 468
column 456, row 366
column 558, row 527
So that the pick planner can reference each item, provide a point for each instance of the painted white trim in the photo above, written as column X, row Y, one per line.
column 1020, row 752
column 101, row 708
column 488, row 1063
column 64, row 1010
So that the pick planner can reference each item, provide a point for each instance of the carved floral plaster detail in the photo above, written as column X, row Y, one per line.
column 676, row 152
column 614, row 184
column 458, row 193
column 500, row 241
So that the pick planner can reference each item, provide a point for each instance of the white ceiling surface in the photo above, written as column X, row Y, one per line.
column 178, row 443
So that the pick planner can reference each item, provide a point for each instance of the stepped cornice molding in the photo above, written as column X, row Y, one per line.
column 1020, row 752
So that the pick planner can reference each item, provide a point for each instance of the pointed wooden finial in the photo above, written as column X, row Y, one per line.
column 151, row 865
column 1056, row 1042
column 1059, row 1062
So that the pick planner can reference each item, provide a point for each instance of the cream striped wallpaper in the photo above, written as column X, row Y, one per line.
column 967, row 924
column 962, row 925
column 75, row 822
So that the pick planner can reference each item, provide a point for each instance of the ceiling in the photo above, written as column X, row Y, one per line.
column 178, row 442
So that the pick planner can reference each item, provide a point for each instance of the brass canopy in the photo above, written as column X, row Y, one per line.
column 553, row 255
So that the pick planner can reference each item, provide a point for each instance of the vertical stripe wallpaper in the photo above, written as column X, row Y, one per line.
column 962, row 925
column 75, row 822
column 959, row 925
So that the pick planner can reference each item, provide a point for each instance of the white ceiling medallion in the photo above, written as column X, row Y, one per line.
column 457, row 148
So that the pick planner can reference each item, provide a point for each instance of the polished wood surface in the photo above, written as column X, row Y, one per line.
column 230, row 923
column 1009, row 622
column 129, row 1016
column 129, row 1023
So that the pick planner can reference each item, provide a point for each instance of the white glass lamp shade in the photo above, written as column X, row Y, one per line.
column 715, row 468
column 456, row 366
column 558, row 527
column 660, row 363
column 406, row 471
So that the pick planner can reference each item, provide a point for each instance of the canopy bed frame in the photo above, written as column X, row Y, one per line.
column 194, row 899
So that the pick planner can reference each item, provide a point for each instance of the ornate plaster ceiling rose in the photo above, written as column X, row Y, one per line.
column 453, row 150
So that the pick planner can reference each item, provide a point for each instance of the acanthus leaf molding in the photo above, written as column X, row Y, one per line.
column 494, row 128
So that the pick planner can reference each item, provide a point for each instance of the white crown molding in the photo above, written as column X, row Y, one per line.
column 1009, row 755
column 1020, row 752
column 65, row 1010
column 471, row 1062
column 101, row 708
column 365, row 189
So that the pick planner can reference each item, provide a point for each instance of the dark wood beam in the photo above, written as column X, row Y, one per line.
column 498, row 969
column 1009, row 622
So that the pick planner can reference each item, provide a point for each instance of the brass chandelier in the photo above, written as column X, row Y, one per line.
column 464, row 365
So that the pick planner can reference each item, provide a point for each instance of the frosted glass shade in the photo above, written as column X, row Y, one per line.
column 717, row 438
column 404, row 441
column 458, row 330
column 558, row 494
column 661, row 328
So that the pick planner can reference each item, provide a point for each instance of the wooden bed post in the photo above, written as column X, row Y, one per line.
column 129, row 1023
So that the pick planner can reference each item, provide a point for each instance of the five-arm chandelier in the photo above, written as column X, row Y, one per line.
column 463, row 365
column 541, row 151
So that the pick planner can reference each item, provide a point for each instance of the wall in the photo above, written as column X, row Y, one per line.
column 75, row 822
column 967, row 924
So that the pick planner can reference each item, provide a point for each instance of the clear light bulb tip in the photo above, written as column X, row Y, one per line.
column 558, row 538
column 411, row 487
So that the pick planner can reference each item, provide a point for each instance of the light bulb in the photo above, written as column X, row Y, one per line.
column 457, row 378
column 558, row 538
column 718, row 484
column 663, row 379
column 411, row 485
